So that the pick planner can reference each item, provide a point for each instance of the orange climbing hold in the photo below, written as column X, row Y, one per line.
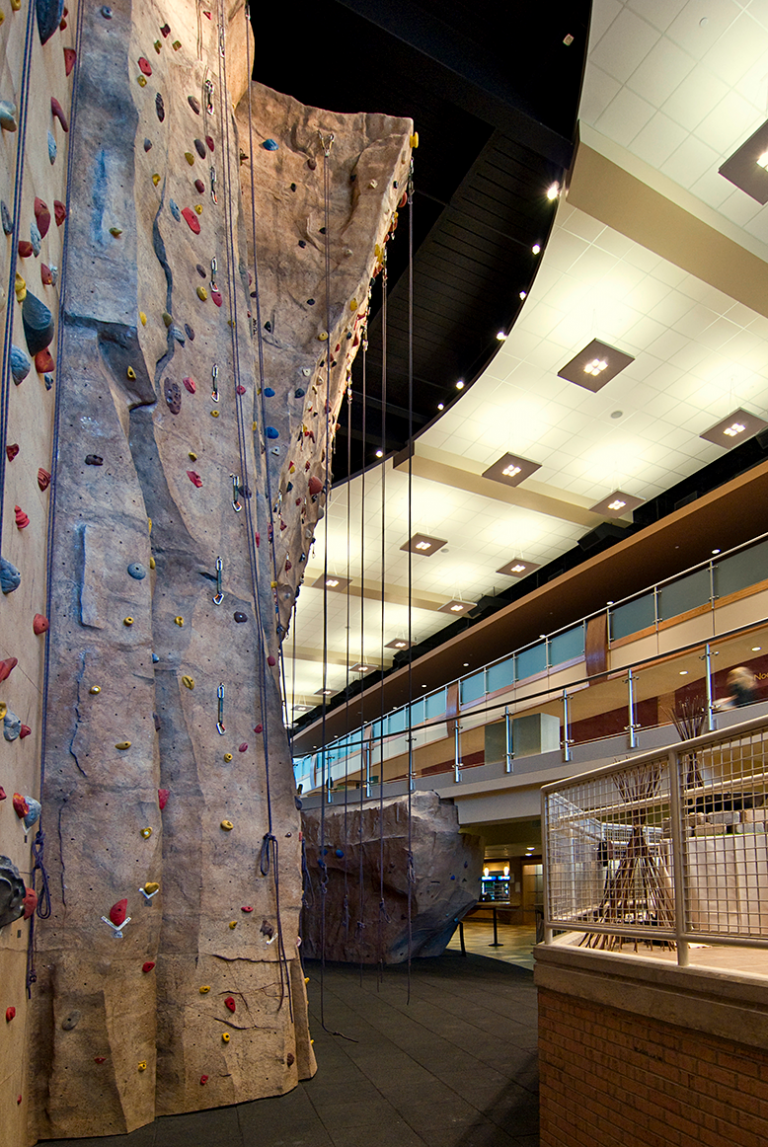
column 7, row 667
column 20, row 806
column 44, row 362
column 30, row 902
column 40, row 624
column 22, row 521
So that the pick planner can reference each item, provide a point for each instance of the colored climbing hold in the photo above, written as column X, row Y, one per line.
column 11, row 726
column 100, row 1059
column 246, row 908
column 34, row 810
column 191, row 219
column 122, row 745
column 205, row 989
column 270, row 145
column 10, row 578
column 52, row 148
column 188, row 681
column 30, row 902
column 199, row 186
column 57, row 112
column 215, row 294
column 118, row 912
column 179, row 621
column 10, row 1014
column 158, row 46
column 142, row 318
column 95, row 690
column 227, row 757
column 43, row 217
column 229, row 1002
column 173, row 396
column 49, row 15
column 198, row 209
column 43, row 479
column 22, row 521
column 45, row 275
column 44, row 361
column 315, row 485
column 227, row 825
column 176, row 45
column 59, row 212
column 194, row 104
column 202, row 294
column 166, row 30
column 148, row 966
column 272, row 432
column 240, row 617
column 243, row 748
column 11, row 450
column 200, row 148
column 151, row 887
column 225, row 1037
column 5, row 215
column 7, row 667
column 173, row 207
column 35, row 238
column 189, row 157
column 145, row 66
column 271, row 661
column 203, row 1078
column 37, row 321
column 20, row 806
column 156, row 178
column 142, row 1065
column 195, row 478
column 8, row 115
column 258, row 728
column 20, row 287
column 137, row 571
column 159, row 107
column 94, row 460
column 40, row 624
column 209, row 142
column 127, row 621
column 70, row 55
column 269, row 392
column 146, row 833
column 162, row 797
column 214, row 414
column 25, row 248
column 189, row 332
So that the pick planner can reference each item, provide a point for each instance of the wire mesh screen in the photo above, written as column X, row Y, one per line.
column 609, row 854
column 724, row 811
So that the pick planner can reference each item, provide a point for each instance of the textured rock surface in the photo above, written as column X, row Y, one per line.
column 361, row 926
column 133, row 327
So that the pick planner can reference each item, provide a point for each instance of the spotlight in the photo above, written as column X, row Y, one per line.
column 523, row 294
column 553, row 191
column 460, row 384
column 536, row 248
column 379, row 453
column 441, row 406
column 501, row 335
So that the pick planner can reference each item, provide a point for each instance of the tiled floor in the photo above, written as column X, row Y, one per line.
column 516, row 941
column 457, row 1067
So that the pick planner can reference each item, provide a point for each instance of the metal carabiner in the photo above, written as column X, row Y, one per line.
column 208, row 85
column 236, row 503
column 214, row 382
column 222, row 49
column 218, row 597
column 214, row 196
column 220, row 722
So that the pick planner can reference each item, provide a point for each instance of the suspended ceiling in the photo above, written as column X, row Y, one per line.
column 652, row 252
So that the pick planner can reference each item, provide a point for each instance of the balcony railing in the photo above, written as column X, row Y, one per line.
column 667, row 849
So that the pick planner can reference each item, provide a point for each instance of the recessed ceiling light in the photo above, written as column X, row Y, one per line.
column 756, row 648
column 616, row 505
column 594, row 366
column 460, row 384
column 398, row 643
column 616, row 413
column 523, row 294
column 379, row 453
column 553, row 191
column 518, row 568
column 735, row 428
column 762, row 160
column 536, row 248
column 441, row 406
column 683, row 672
column 501, row 336
column 747, row 168
column 457, row 607
column 511, row 470
column 301, row 708
column 716, row 551
column 362, row 667
column 423, row 544
column 324, row 692
column 568, row 39
column 331, row 582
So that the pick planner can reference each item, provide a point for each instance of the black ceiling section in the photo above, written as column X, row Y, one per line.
column 493, row 92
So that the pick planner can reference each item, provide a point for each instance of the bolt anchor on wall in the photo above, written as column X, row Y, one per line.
column 218, row 597
column 236, row 503
column 220, row 721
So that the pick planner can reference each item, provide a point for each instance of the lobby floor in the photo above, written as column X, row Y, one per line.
column 516, row 941
column 455, row 1067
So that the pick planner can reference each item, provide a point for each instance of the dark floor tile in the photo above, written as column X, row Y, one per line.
column 218, row 1127
column 396, row 1133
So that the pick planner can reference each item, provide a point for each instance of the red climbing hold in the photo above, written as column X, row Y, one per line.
column 145, row 66
column 271, row 660
column 240, row 389
column 203, row 1078
column 190, row 384
column 25, row 248
column 3, row 795
column 148, row 966
column 315, row 485
column 166, row 30
column 229, row 1002
column 42, row 217
column 162, row 797
column 199, row 187
column 59, row 212
column 195, row 478
column 70, row 55
column 246, row 908
column 40, row 624
column 243, row 748
column 22, row 521
column 209, row 141
column 191, row 218
column 258, row 539
column 99, row 1059
column 7, row 667
column 20, row 806
column 30, row 902
column 257, row 728
column 24, row 731
column 216, row 296
column 58, row 112
column 10, row 1013
column 12, row 450
column 44, row 362
column 118, row 912
column 45, row 275
column 43, row 479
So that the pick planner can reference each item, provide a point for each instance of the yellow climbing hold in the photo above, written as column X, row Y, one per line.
column 199, row 208
column 143, row 318
column 151, row 886
column 233, row 924
column 2, row 17
column 142, row 1065
column 3, row 709
column 131, row 372
column 127, row 621
column 149, row 524
column 189, row 157
column 179, row 621
column 15, row 5
column 227, row 825
column 254, row 426
column 141, row 81
column 225, row 1037
column 156, row 178
column 116, row 232
column 214, row 414
column 378, row 251
column 306, row 979
column 192, row 456
column 146, row 833
column 176, row 45
column 188, row 681
column 167, row 319
column 123, row 745
column 158, row 46
column 20, row 288
column 414, row 141
column 323, row 336
column 227, row 757
column 202, row 293
column 273, row 585
column 353, row 304
column 205, row 989
column 94, row 689
column 152, row 563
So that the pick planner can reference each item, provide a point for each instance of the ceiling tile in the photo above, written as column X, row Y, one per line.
column 729, row 124
column 697, row 31
column 690, row 161
column 662, row 70
column 624, row 117
column 739, row 47
column 658, row 139
column 660, row 13
column 624, row 45
column 698, row 95
column 599, row 90
column 603, row 15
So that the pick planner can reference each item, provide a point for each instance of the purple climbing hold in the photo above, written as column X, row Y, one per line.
column 194, row 104
column 189, row 332
column 200, row 148
column 202, row 271
column 200, row 189
column 147, row 144
column 173, row 396
column 6, row 218
column 240, row 617
column 94, row 460
column 159, row 107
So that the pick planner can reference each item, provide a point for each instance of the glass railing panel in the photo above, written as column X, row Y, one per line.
column 397, row 721
column 567, row 646
column 744, row 651
column 633, row 617
column 746, row 568
column 473, row 688
column 598, row 711
column 687, row 593
column 537, row 728
column 674, row 688
column 501, row 675
column 530, row 661
column 435, row 704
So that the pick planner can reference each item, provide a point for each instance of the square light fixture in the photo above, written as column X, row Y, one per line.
column 399, row 643
column 734, row 428
column 511, row 470
column 331, row 582
column 424, row 545
column 325, row 692
column 363, row 667
column 616, row 505
column 518, row 568
column 596, row 365
column 302, row 708
column 747, row 168
column 457, row 608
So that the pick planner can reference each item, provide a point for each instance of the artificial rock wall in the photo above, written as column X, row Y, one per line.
column 157, row 804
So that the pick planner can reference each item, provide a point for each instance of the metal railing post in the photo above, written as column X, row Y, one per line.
column 367, row 758
column 631, row 727
column 510, row 750
column 711, row 718
column 456, row 752
column 566, row 727
column 678, row 859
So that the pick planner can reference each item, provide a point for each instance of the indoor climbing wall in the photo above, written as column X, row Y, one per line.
column 36, row 64
column 197, row 395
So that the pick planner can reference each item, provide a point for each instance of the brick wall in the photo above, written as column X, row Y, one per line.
column 613, row 1077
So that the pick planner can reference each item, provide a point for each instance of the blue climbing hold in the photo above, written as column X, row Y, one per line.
column 270, row 145
column 11, row 726
column 136, row 570
column 6, row 218
column 299, row 393
column 38, row 324
column 289, row 487
column 10, row 578
column 49, row 16
column 178, row 334
column 339, row 852
column 155, row 659
column 175, row 212
column 269, row 392
column 48, row 380
column 20, row 364
column 33, row 815
column 35, row 238
column 453, row 878
column 52, row 149
column 272, row 432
